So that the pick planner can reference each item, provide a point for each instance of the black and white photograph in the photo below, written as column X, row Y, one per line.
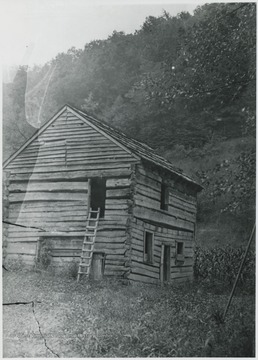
column 128, row 179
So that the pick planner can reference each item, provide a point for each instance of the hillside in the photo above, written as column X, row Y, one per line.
column 185, row 85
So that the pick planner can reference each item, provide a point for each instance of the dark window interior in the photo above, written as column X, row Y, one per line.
column 98, row 195
column 164, row 200
column 180, row 248
column 148, row 247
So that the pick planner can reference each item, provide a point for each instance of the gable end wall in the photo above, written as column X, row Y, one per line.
column 49, row 190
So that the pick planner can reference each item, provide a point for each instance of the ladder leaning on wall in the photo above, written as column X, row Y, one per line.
column 88, row 243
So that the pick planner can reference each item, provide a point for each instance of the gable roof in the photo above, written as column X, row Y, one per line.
column 136, row 148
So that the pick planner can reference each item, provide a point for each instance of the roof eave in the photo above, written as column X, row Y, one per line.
column 194, row 183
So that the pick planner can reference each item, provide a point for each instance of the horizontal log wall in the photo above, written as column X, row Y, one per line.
column 49, row 191
column 150, row 273
column 175, row 224
column 181, row 213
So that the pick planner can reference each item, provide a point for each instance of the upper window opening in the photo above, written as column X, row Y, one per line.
column 164, row 200
column 98, row 195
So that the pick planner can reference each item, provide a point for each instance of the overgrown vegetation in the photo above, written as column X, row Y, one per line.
column 219, row 266
column 107, row 319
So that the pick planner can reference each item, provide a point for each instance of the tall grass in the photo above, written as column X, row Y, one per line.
column 108, row 319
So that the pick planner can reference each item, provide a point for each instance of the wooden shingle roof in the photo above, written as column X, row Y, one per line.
column 138, row 148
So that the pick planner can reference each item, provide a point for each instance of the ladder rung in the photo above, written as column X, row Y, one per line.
column 90, row 232
column 85, row 265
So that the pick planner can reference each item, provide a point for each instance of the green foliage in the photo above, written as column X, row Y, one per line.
column 184, row 78
column 233, row 179
column 222, row 265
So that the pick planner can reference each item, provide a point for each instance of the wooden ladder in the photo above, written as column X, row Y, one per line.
column 88, row 243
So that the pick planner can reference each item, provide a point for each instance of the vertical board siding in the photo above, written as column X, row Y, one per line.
column 49, row 191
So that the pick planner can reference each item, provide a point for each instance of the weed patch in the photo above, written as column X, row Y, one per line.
column 43, row 260
column 219, row 266
column 107, row 319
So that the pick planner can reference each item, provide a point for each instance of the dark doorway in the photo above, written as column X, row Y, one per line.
column 148, row 247
column 98, row 195
column 166, row 268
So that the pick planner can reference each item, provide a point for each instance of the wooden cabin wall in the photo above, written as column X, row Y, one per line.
column 112, row 235
column 175, row 224
column 150, row 273
column 49, row 191
column 181, row 212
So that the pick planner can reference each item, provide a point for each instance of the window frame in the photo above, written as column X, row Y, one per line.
column 180, row 257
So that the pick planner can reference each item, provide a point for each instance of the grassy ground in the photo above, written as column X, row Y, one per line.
column 109, row 319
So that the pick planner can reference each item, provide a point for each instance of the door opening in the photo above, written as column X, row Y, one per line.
column 98, row 195
column 166, row 266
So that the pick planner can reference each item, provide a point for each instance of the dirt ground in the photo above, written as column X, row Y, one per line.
column 39, row 329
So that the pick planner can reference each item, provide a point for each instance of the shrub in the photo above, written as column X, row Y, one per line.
column 73, row 269
column 44, row 255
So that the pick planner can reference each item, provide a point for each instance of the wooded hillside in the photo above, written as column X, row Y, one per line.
column 185, row 85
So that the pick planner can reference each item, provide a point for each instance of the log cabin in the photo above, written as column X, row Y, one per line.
column 74, row 162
